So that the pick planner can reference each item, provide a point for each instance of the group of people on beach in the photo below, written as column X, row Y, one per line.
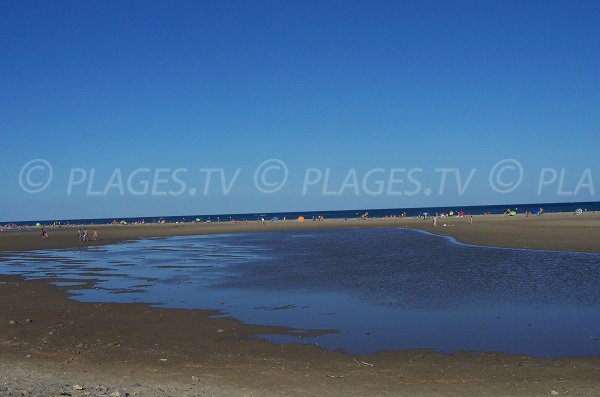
column 82, row 235
column 435, row 219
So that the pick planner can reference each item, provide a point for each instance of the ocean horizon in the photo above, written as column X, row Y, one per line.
column 327, row 214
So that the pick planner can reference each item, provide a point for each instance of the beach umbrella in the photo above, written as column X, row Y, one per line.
column 198, row 220
column 300, row 219
column 38, row 224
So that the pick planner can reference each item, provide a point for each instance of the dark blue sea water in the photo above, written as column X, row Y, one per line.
column 373, row 213
column 378, row 288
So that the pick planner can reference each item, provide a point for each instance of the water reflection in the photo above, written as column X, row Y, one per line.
column 381, row 288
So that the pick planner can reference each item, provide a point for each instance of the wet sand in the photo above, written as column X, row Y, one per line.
column 150, row 351
column 135, row 348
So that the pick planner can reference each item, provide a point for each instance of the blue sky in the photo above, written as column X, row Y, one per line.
column 325, row 85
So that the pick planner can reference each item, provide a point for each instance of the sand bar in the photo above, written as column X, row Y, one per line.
column 563, row 231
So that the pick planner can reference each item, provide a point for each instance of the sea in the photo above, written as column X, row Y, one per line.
column 368, row 290
column 354, row 213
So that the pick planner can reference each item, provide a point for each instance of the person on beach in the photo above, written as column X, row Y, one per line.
column 435, row 221
column 44, row 233
column 79, row 235
column 95, row 235
column 471, row 219
column 84, row 236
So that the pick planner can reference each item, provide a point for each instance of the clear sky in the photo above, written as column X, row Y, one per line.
column 343, row 86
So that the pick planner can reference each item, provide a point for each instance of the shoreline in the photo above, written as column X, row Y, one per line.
column 190, row 352
column 556, row 231
column 136, row 348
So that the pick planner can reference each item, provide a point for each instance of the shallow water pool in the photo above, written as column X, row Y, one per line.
column 378, row 288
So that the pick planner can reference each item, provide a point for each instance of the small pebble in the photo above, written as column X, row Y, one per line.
column 12, row 322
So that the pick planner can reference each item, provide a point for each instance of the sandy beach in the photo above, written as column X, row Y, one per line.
column 562, row 231
column 63, row 347
column 257, row 183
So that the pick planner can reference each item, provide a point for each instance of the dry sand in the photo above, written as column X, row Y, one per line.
column 563, row 231
column 118, row 348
